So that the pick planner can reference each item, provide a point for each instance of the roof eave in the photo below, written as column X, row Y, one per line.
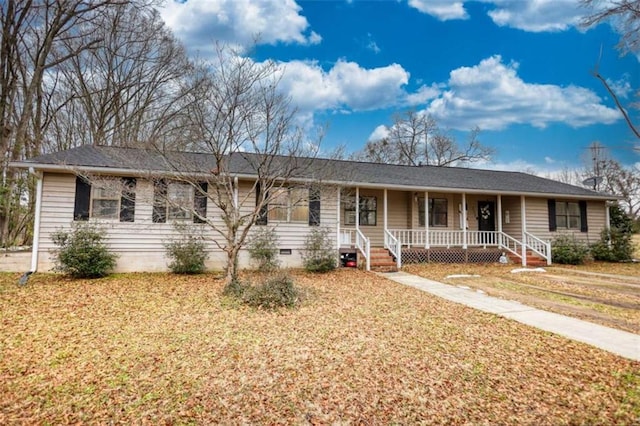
column 130, row 172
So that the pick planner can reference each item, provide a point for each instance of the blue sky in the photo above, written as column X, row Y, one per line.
column 517, row 69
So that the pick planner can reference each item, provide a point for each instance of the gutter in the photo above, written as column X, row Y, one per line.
column 248, row 176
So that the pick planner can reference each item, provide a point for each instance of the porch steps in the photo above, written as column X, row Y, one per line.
column 382, row 261
column 533, row 260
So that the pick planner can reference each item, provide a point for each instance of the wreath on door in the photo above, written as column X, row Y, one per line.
column 485, row 212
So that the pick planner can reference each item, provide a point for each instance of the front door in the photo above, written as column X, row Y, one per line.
column 486, row 216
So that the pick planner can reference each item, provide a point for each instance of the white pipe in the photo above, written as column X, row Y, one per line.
column 36, row 224
column 523, row 208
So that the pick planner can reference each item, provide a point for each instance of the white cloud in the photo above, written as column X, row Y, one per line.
column 444, row 10
column 622, row 88
column 536, row 15
column 379, row 132
column 527, row 15
column 492, row 96
column 199, row 23
column 549, row 160
column 345, row 86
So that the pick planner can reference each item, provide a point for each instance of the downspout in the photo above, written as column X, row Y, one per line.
column 36, row 224
column 499, row 217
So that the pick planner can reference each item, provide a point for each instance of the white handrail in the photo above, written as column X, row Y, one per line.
column 394, row 246
column 510, row 244
column 538, row 246
column 364, row 245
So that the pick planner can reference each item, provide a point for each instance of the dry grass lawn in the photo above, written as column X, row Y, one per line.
column 600, row 292
column 161, row 349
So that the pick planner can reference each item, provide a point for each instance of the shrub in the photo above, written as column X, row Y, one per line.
column 319, row 254
column 565, row 249
column 263, row 249
column 81, row 251
column 234, row 288
column 615, row 244
column 187, row 252
column 277, row 291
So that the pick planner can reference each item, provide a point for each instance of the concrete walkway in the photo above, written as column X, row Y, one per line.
column 616, row 341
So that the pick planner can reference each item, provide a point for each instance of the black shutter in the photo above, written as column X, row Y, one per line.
column 83, row 198
column 552, row 215
column 128, row 200
column 262, row 214
column 314, row 207
column 200, row 202
column 584, row 227
column 159, row 201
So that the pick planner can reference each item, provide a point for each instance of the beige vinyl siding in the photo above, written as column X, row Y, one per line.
column 538, row 220
column 514, row 226
column 398, row 213
column 140, row 244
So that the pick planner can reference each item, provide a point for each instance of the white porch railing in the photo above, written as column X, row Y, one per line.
column 455, row 238
column 394, row 246
column 363, row 244
column 538, row 246
column 346, row 237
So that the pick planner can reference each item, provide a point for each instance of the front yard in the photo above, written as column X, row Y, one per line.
column 600, row 292
column 156, row 348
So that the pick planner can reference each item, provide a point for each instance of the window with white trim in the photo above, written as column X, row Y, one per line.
column 105, row 199
column 568, row 215
column 179, row 201
column 289, row 205
column 367, row 211
column 438, row 211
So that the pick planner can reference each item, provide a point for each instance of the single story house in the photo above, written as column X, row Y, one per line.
column 384, row 214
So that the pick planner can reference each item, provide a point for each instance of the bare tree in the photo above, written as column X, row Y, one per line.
column 35, row 36
column 415, row 139
column 131, row 90
column 625, row 16
column 243, row 123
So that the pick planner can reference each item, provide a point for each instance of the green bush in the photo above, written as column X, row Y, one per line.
column 187, row 252
column 263, row 249
column 565, row 249
column 277, row 291
column 81, row 251
column 319, row 254
column 616, row 244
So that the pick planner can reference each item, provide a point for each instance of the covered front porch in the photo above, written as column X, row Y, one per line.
column 419, row 226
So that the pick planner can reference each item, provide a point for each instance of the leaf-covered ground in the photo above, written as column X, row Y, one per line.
column 161, row 349
column 605, row 293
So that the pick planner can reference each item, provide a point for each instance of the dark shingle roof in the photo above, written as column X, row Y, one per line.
column 338, row 171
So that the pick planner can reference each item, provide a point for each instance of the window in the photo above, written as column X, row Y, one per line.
column 289, row 205
column 105, row 201
column 368, row 211
column 106, row 198
column 568, row 215
column 179, row 201
column 437, row 211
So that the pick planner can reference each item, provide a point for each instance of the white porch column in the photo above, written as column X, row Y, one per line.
column 338, row 235
column 385, row 209
column 426, row 219
column 607, row 216
column 523, row 215
column 499, row 213
column 36, row 224
column 464, row 220
column 357, row 207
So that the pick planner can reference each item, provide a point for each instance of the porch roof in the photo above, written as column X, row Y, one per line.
column 102, row 159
